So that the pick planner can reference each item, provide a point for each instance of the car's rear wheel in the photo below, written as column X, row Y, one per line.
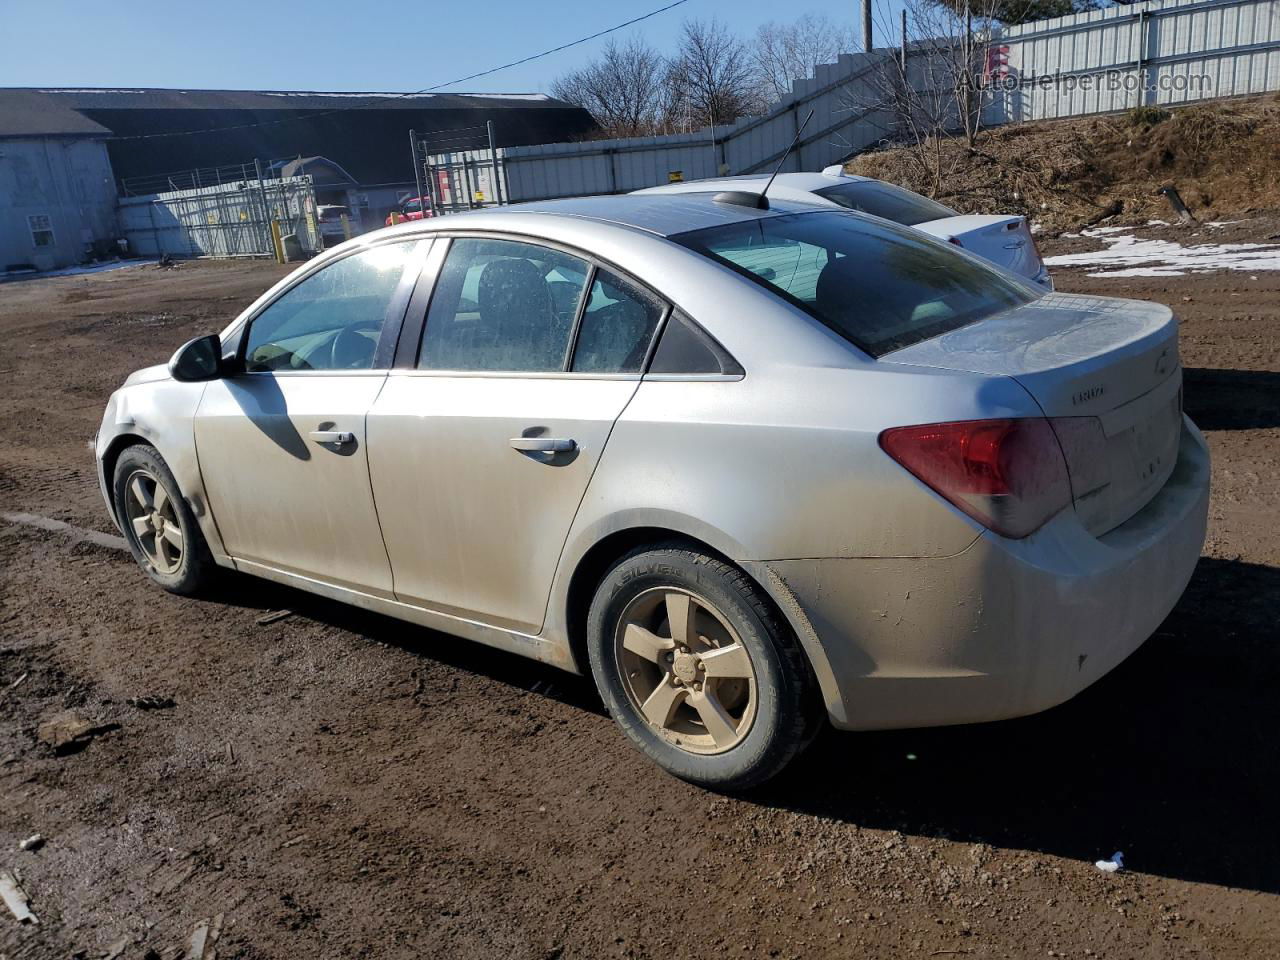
column 697, row 668
column 158, row 524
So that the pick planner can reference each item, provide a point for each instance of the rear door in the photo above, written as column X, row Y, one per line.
column 282, row 442
column 481, row 452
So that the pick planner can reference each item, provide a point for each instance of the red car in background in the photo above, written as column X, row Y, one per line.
column 412, row 209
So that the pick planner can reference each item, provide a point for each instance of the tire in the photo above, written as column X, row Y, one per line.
column 181, row 564
column 639, row 664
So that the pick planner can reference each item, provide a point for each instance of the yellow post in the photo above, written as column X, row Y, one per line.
column 276, row 241
column 346, row 226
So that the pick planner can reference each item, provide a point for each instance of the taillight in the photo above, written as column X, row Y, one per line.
column 956, row 241
column 1009, row 475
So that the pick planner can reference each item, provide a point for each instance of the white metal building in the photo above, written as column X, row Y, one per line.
column 57, row 191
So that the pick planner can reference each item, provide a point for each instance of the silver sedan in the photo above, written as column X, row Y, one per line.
column 752, row 469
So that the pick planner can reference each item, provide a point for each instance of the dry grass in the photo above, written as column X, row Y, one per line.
column 1224, row 158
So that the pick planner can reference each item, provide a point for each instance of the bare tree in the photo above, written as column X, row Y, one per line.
column 934, row 88
column 710, row 76
column 784, row 52
column 1025, row 11
column 625, row 89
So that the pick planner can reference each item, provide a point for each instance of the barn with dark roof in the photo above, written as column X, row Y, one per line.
column 153, row 132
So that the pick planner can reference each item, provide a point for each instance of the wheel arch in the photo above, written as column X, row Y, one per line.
column 110, row 457
column 605, row 551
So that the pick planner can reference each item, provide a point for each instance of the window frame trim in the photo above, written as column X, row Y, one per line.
column 32, row 231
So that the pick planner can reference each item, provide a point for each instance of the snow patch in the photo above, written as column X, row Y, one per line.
column 506, row 96
column 79, row 271
column 356, row 96
column 1135, row 257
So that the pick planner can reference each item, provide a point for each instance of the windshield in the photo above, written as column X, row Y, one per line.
column 879, row 286
column 886, row 200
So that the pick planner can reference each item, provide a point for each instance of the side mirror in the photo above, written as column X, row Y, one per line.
column 198, row 359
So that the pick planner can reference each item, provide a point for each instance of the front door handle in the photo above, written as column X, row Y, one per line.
column 339, row 437
column 544, row 444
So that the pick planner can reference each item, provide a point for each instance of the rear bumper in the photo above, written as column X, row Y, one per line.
column 1006, row 627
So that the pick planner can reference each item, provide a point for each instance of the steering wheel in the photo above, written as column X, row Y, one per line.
column 351, row 349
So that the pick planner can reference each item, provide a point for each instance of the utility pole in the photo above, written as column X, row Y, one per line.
column 866, row 26
column 493, row 159
column 417, row 168
column 904, row 41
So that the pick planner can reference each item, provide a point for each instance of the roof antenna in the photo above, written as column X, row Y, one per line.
column 794, row 141
column 745, row 198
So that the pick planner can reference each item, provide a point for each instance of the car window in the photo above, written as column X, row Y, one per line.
column 333, row 319
column 879, row 285
column 686, row 349
column 503, row 305
column 413, row 206
column 617, row 326
column 886, row 200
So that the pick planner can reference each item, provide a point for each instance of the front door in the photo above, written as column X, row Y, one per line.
column 481, row 455
column 282, row 444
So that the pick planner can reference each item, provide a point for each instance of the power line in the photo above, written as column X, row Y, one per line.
column 414, row 93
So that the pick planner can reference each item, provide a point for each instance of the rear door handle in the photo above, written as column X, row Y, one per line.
column 333, row 436
column 544, row 444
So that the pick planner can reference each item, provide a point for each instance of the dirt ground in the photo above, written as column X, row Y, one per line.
column 335, row 784
column 1221, row 156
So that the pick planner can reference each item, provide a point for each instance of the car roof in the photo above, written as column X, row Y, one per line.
column 806, row 181
column 658, row 213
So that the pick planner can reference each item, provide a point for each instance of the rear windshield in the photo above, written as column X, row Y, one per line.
column 886, row 200
column 880, row 286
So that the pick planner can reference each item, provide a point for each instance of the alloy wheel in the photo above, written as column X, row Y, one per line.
column 151, row 513
column 685, row 670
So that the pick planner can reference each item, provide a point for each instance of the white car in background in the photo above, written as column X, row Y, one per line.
column 1004, row 240
column 332, row 230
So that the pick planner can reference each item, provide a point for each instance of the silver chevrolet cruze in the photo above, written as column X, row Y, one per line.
column 752, row 468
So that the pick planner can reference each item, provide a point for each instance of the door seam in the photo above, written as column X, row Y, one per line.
column 373, row 493
column 555, row 576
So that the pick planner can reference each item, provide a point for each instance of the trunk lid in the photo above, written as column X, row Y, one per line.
column 1004, row 240
column 1106, row 370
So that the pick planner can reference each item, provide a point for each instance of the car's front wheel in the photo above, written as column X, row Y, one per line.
column 697, row 668
column 158, row 524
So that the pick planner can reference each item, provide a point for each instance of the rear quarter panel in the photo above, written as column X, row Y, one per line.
column 782, row 464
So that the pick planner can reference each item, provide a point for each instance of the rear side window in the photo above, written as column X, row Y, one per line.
column 617, row 326
column 886, row 200
column 503, row 305
column 686, row 349
column 880, row 286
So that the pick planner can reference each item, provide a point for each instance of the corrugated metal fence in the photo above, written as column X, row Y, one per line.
column 226, row 220
column 1159, row 52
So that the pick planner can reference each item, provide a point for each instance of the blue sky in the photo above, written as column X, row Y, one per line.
column 333, row 44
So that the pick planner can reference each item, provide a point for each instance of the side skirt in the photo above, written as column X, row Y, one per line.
column 536, row 648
